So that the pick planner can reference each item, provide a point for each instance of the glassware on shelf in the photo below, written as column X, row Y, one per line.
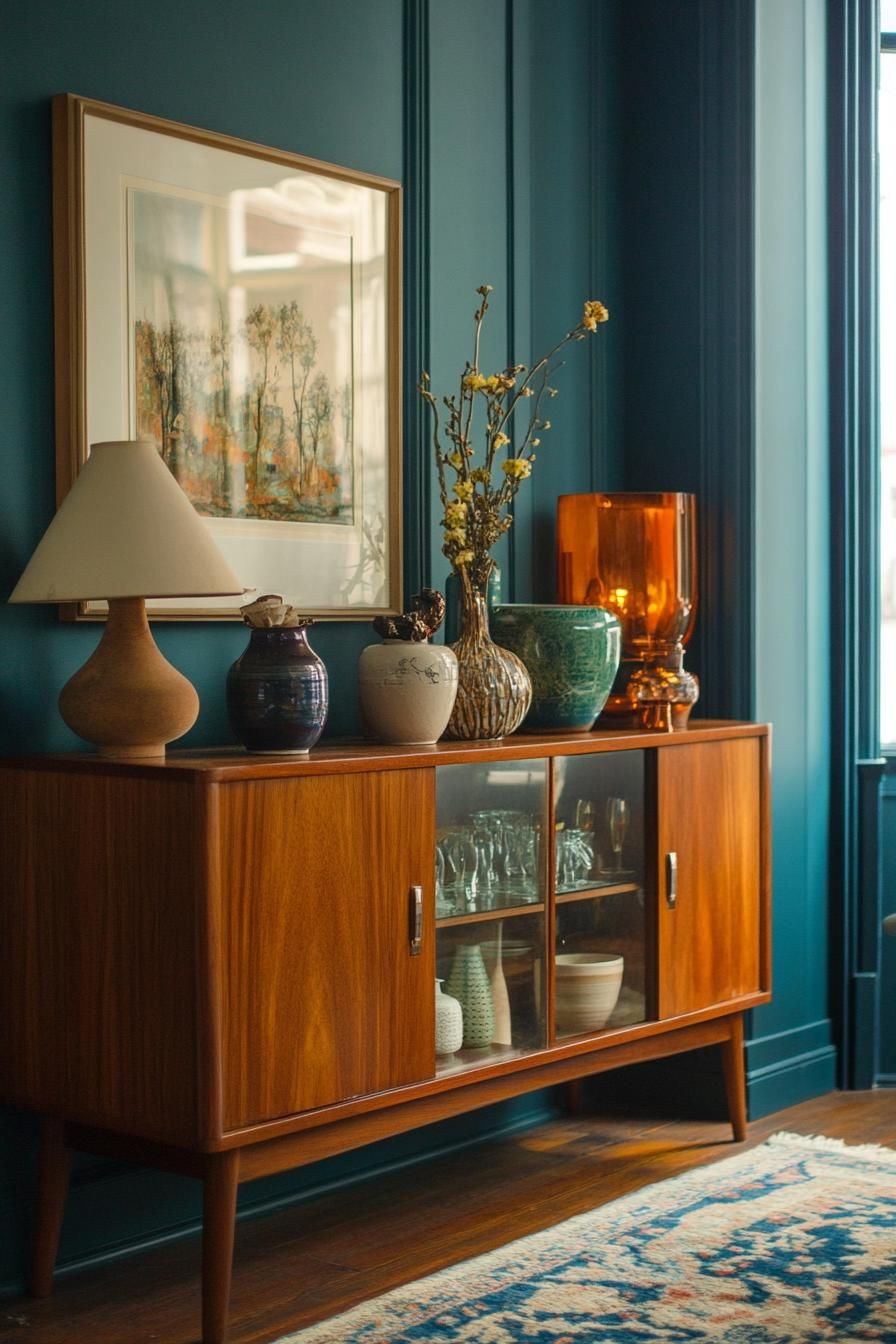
column 444, row 900
column 586, row 815
column 562, row 860
column 519, row 853
column 617, row 824
column 508, row 843
column 461, row 859
column 466, row 863
column 484, row 840
column 582, row 855
column 489, row 864
column 574, row 859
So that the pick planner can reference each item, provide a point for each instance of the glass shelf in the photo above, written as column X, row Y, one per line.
column 590, row 891
column 481, row 916
column 449, row 905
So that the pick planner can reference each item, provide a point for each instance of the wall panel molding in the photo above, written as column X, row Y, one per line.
column 791, row 654
column 853, row 53
column 517, row 282
column 726, row 517
column 604, row 210
column 417, row 456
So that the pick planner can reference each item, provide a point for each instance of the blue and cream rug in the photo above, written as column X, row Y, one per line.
column 789, row 1243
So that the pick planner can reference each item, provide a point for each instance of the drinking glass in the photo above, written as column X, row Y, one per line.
column 586, row 814
column 617, row 825
column 519, row 853
column 445, row 878
column 487, row 877
column 465, row 860
column 490, row 822
column 581, row 855
column 561, row 861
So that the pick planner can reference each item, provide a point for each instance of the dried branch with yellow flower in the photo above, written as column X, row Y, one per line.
column 477, row 507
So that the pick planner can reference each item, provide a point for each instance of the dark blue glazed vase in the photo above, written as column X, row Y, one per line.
column 278, row 693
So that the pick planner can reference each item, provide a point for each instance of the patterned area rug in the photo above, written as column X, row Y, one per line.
column 790, row 1243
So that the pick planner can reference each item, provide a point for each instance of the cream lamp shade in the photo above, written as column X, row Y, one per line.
column 125, row 529
column 124, row 532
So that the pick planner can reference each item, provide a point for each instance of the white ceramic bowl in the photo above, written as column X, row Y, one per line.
column 587, row 987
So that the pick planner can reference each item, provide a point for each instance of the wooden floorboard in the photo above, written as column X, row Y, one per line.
column 318, row 1258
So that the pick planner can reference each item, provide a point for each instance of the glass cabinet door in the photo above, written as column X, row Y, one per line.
column 600, row 976
column 491, row 897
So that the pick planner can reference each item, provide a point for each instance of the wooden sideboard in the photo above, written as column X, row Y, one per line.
column 223, row 965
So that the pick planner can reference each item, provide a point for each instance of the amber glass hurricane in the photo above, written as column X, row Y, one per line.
column 636, row 555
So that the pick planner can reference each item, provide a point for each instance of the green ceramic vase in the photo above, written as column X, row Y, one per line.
column 571, row 654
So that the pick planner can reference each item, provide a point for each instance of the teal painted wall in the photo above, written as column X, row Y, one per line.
column 791, row 1054
column 600, row 148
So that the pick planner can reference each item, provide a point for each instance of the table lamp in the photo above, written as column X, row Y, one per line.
column 124, row 532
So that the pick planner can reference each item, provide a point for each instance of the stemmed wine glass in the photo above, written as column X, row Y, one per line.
column 617, row 825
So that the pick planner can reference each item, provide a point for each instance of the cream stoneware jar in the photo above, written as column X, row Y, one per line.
column 407, row 690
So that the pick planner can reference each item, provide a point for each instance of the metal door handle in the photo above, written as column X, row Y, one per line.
column 416, row 921
column 672, row 879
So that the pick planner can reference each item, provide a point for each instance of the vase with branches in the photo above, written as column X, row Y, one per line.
column 485, row 439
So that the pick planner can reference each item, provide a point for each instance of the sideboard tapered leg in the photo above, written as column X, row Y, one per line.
column 735, row 1083
column 218, row 1223
column 52, row 1192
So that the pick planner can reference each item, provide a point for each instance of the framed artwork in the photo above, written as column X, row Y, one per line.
column 241, row 307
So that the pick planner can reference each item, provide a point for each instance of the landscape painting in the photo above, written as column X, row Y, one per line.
column 240, row 306
column 240, row 315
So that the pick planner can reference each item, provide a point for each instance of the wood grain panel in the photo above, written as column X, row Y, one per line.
column 97, row 949
column 709, row 812
column 321, row 999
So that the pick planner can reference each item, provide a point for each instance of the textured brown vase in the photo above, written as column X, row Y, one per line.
column 494, row 691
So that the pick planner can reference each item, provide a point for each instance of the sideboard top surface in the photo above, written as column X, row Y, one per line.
column 224, row 764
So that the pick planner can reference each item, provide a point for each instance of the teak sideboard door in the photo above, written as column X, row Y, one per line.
column 709, row 800
column 323, row 997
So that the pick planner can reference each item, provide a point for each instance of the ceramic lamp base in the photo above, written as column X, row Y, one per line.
column 127, row 699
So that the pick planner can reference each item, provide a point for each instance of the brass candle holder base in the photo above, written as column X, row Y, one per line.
column 662, row 694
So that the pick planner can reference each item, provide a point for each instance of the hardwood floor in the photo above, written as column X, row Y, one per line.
column 316, row 1259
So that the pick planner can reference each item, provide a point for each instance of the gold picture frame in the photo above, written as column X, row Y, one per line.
column 242, row 306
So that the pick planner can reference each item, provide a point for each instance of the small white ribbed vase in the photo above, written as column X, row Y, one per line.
column 449, row 1023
